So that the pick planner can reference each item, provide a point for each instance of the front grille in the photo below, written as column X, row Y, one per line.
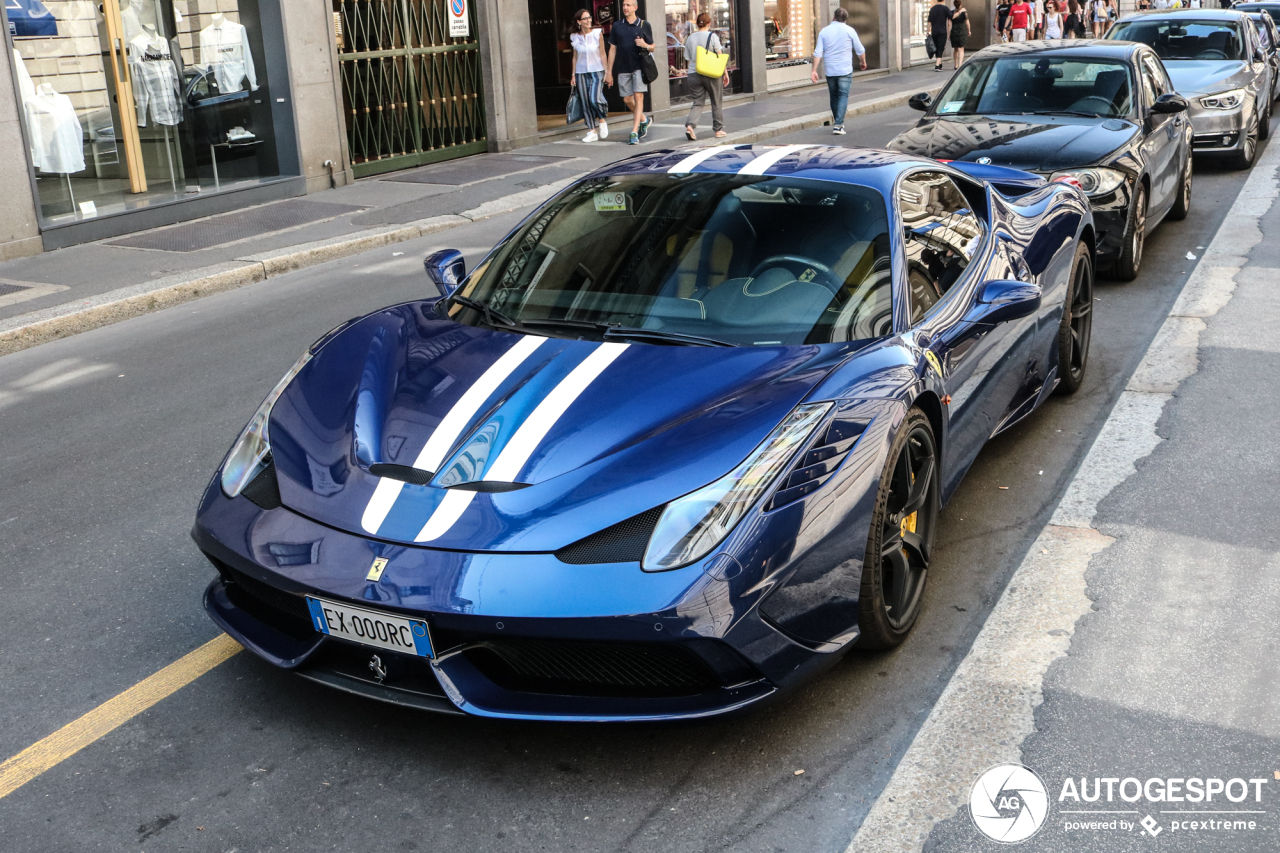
column 279, row 609
column 624, row 542
column 264, row 489
column 574, row 668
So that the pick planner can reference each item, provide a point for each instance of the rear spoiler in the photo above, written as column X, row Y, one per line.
column 1011, row 182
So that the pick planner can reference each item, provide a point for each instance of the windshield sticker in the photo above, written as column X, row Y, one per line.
column 951, row 107
column 610, row 201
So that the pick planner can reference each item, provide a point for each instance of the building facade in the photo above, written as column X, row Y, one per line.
column 132, row 114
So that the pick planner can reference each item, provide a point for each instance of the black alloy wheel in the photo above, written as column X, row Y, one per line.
column 896, row 564
column 1243, row 158
column 1077, row 325
column 1182, row 206
column 1135, row 235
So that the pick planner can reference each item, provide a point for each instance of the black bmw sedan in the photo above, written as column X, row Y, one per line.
column 1100, row 114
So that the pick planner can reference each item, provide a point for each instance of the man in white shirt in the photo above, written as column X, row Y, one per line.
column 837, row 44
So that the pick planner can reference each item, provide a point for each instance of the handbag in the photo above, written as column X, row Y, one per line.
column 710, row 64
column 928, row 46
column 648, row 68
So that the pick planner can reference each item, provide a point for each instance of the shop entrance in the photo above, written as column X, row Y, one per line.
column 411, row 82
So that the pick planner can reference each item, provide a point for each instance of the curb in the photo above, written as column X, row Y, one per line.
column 60, row 321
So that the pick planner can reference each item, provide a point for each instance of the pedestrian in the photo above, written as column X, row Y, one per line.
column 1098, row 15
column 1074, row 25
column 702, row 86
column 939, row 20
column 1019, row 20
column 960, row 32
column 1052, row 20
column 627, row 39
column 836, row 45
column 1113, row 15
column 1037, row 13
column 1144, row 5
column 1002, row 17
column 587, row 81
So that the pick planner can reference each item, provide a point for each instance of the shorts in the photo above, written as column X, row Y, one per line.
column 630, row 82
column 939, row 44
column 1019, row 35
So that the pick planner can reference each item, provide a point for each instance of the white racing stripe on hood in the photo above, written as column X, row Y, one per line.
column 696, row 158
column 768, row 160
column 526, row 439
column 450, row 427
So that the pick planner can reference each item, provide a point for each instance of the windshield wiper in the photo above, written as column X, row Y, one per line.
column 617, row 330
column 492, row 316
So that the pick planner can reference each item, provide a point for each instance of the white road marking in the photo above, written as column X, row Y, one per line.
column 988, row 706
column 526, row 439
column 450, row 427
column 771, row 158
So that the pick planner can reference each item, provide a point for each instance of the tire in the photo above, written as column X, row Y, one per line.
column 1243, row 158
column 1264, row 123
column 893, row 578
column 1127, row 265
column 1076, row 329
column 1182, row 206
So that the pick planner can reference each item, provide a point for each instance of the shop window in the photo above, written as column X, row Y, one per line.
column 130, row 103
column 682, row 17
column 790, row 32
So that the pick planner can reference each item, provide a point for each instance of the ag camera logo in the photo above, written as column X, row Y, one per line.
column 1009, row 803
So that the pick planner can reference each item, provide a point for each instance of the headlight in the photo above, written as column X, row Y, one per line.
column 247, row 457
column 1224, row 100
column 1092, row 181
column 694, row 524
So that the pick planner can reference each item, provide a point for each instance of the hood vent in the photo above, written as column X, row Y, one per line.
column 624, row 542
column 816, row 465
column 404, row 473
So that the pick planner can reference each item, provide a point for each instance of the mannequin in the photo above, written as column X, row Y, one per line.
column 224, row 48
column 57, row 143
column 132, row 20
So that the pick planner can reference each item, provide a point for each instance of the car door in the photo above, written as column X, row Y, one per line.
column 949, row 254
column 1161, row 135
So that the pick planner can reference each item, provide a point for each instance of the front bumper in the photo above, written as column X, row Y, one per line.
column 1110, row 221
column 1217, row 131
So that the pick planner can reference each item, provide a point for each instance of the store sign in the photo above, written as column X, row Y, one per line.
column 459, row 26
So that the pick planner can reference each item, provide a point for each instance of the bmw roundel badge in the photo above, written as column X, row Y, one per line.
column 984, row 161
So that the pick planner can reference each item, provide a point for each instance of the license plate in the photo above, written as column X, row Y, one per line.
column 371, row 627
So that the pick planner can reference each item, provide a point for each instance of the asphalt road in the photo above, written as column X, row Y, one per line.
column 109, row 438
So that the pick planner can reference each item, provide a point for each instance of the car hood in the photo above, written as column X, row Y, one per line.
column 594, row 433
column 1192, row 77
column 1030, row 143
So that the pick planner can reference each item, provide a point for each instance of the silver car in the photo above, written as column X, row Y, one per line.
column 1216, row 61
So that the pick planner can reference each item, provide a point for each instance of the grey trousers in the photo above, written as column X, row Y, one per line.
column 702, row 88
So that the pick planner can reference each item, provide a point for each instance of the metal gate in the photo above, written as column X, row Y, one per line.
column 412, row 94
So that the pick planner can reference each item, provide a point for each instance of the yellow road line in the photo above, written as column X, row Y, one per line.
column 75, row 736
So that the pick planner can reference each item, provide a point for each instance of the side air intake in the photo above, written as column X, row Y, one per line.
column 816, row 465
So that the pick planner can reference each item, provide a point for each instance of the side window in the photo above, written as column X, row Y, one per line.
column 941, row 236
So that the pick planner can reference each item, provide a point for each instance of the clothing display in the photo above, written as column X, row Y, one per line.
column 224, row 48
column 157, row 81
column 57, row 140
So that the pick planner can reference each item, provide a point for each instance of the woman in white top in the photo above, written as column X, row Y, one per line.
column 1052, row 21
column 588, row 76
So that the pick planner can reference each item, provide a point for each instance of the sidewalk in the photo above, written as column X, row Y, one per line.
column 72, row 290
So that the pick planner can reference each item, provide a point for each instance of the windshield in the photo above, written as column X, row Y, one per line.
column 1045, row 84
column 1183, row 39
column 742, row 260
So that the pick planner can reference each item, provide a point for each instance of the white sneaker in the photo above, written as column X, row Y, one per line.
column 838, row 130
column 591, row 136
column 604, row 131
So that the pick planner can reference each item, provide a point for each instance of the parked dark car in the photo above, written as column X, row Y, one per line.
column 1216, row 61
column 1100, row 114
column 1264, row 21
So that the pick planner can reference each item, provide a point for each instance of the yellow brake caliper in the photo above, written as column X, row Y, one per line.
column 909, row 523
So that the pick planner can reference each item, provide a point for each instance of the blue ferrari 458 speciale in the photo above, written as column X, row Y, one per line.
column 676, row 443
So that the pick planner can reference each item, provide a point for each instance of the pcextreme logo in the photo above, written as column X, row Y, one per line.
column 1009, row 803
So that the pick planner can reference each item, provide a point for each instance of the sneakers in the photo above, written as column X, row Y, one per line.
column 689, row 134
column 937, row 68
column 644, row 126
column 591, row 136
column 634, row 140
column 602, row 130
column 838, row 130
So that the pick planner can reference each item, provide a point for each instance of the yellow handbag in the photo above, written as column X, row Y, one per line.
column 711, row 64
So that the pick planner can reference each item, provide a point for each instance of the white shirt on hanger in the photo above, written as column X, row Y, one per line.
column 155, row 80
column 225, row 48
column 57, row 140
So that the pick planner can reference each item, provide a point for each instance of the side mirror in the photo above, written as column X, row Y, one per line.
column 1170, row 103
column 1001, row 301
column 920, row 102
column 446, row 268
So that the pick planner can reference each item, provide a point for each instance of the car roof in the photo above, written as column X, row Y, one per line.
column 868, row 167
column 1099, row 48
column 1198, row 14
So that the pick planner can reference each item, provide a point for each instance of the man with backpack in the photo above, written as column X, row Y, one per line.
column 627, row 39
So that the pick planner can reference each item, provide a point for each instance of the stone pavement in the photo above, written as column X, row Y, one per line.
column 82, row 287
